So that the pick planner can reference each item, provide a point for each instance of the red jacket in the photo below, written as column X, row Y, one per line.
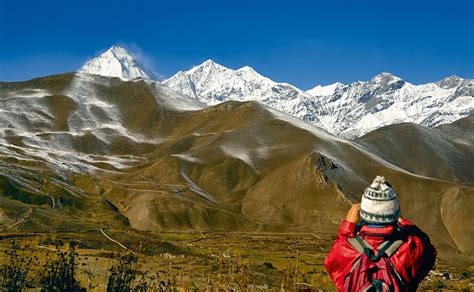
column 413, row 260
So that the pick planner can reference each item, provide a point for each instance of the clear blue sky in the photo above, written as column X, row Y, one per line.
column 301, row 42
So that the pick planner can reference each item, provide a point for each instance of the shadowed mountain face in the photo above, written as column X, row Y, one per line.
column 445, row 152
column 83, row 151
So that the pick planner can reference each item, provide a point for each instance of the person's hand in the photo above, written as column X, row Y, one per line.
column 353, row 214
column 400, row 219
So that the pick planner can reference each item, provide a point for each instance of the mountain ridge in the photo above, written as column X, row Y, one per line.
column 347, row 110
column 407, row 145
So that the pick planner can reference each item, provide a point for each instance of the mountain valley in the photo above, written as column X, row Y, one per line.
column 82, row 151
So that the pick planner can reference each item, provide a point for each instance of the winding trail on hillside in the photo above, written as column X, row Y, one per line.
column 115, row 241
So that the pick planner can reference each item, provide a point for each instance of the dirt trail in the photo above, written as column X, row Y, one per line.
column 115, row 241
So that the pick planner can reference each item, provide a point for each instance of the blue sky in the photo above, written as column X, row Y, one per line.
column 301, row 42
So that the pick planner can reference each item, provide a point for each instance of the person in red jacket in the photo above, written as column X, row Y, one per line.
column 376, row 220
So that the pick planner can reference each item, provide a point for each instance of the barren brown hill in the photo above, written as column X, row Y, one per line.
column 82, row 151
column 445, row 152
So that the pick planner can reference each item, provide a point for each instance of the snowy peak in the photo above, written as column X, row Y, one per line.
column 384, row 82
column 207, row 67
column 249, row 73
column 385, row 77
column 119, row 52
column 212, row 83
column 381, row 85
column 450, row 82
column 117, row 62
column 324, row 90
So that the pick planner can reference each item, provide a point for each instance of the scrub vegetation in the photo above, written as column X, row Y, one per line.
column 185, row 261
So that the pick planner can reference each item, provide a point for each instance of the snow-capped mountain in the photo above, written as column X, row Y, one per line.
column 346, row 110
column 212, row 83
column 360, row 107
column 117, row 62
column 349, row 110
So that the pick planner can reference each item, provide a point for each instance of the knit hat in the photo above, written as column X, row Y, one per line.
column 379, row 204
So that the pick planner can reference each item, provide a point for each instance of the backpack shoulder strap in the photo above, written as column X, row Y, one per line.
column 389, row 247
column 359, row 244
column 386, row 248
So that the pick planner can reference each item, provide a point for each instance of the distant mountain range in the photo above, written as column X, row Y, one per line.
column 349, row 110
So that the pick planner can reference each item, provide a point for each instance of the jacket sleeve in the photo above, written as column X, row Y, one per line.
column 341, row 257
column 422, row 253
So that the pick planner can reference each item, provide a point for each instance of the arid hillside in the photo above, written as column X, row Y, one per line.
column 81, row 151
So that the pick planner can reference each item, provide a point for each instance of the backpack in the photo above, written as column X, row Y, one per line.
column 374, row 272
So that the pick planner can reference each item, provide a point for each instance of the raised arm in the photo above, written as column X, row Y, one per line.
column 341, row 257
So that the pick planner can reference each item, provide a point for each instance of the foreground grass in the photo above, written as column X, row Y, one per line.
column 184, row 261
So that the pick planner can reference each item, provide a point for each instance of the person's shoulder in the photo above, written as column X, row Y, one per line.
column 415, row 240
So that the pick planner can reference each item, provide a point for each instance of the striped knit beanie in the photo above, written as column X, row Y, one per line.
column 379, row 203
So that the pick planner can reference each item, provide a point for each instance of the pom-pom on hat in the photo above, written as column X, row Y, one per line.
column 379, row 204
